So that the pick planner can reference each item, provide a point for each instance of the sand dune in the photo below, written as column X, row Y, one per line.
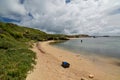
column 49, row 61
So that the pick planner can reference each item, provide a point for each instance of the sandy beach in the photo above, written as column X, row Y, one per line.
column 48, row 67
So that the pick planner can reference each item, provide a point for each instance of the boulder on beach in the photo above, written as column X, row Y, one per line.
column 65, row 64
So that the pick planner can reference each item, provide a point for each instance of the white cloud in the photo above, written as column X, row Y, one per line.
column 76, row 17
column 11, row 9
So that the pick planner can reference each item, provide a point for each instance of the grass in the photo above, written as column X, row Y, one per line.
column 16, row 59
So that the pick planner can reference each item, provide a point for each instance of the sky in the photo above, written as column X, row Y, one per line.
column 93, row 17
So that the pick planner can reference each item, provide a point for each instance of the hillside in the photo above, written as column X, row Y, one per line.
column 77, row 36
column 16, row 59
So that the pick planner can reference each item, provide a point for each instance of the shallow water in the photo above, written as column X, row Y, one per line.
column 103, row 52
column 100, row 46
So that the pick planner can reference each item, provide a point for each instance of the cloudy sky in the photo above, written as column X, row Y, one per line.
column 94, row 17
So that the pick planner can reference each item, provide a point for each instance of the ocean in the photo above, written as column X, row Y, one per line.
column 100, row 46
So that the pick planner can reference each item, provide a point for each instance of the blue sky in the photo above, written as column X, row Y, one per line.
column 67, row 1
column 21, row 1
column 116, row 11
column 8, row 20
column 94, row 17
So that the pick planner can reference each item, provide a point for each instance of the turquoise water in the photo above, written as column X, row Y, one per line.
column 101, row 46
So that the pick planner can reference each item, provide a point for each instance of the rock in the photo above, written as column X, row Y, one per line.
column 91, row 76
column 84, row 78
column 65, row 64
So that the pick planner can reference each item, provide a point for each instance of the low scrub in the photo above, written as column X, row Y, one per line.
column 15, row 57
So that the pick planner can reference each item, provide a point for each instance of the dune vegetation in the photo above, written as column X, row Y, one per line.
column 16, row 58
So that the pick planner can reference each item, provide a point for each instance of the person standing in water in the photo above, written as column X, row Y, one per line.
column 81, row 41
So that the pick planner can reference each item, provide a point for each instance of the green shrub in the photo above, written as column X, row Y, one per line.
column 14, row 64
column 15, row 57
column 6, row 45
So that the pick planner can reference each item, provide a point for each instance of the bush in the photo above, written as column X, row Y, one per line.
column 14, row 64
column 15, row 57
column 6, row 44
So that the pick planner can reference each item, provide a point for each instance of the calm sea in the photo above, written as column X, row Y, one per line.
column 101, row 46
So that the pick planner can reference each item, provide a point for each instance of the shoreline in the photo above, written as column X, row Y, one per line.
column 48, row 65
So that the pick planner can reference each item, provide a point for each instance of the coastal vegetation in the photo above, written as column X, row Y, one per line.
column 77, row 36
column 16, row 58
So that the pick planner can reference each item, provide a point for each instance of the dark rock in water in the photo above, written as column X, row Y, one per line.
column 65, row 65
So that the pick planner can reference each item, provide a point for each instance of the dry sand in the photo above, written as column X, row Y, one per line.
column 49, row 61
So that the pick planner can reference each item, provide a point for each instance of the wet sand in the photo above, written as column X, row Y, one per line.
column 49, row 61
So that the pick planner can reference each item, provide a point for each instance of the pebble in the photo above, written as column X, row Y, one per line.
column 91, row 76
column 84, row 78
